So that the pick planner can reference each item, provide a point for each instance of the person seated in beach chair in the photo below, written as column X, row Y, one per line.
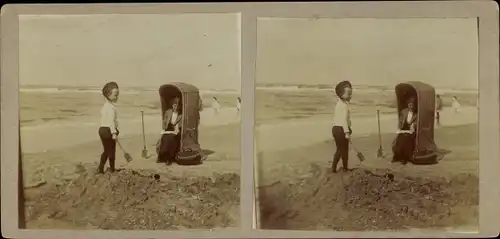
column 404, row 143
column 168, row 145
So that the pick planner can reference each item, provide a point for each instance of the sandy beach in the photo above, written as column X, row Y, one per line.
column 68, row 161
column 63, row 149
column 63, row 134
column 65, row 60
column 58, row 167
column 305, row 59
column 318, row 128
column 316, row 131
column 297, row 191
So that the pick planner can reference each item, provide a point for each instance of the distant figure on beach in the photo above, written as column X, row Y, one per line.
column 439, row 107
column 215, row 105
column 341, row 130
column 455, row 105
column 108, row 130
column 238, row 105
column 380, row 99
column 169, row 143
column 404, row 143
column 200, row 104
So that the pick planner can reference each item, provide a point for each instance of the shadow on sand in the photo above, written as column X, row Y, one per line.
column 192, row 158
column 195, row 159
column 205, row 153
column 441, row 153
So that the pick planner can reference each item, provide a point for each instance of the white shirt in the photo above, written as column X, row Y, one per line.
column 172, row 121
column 238, row 105
column 342, row 115
column 174, row 117
column 408, row 120
column 409, row 117
column 109, row 116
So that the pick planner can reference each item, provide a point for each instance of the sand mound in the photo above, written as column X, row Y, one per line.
column 368, row 200
column 136, row 200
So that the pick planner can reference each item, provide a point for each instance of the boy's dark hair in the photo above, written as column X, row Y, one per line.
column 106, row 89
column 339, row 88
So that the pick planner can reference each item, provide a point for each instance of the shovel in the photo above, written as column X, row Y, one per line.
column 360, row 155
column 144, row 150
column 125, row 154
column 380, row 151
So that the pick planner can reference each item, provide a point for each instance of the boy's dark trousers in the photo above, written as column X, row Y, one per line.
column 342, row 145
column 109, row 149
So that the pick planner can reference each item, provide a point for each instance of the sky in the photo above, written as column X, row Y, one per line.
column 134, row 50
column 440, row 51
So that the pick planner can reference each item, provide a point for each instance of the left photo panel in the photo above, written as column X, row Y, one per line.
column 130, row 121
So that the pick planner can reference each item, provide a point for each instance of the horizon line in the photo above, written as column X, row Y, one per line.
column 333, row 85
column 21, row 86
column 269, row 86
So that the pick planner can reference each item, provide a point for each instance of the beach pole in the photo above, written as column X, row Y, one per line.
column 144, row 150
column 380, row 152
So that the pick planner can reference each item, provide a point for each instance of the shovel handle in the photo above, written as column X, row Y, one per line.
column 143, row 133
column 353, row 147
column 378, row 123
column 120, row 145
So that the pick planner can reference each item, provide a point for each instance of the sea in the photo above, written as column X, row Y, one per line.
column 41, row 105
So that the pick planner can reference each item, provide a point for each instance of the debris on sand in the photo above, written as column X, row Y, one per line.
column 35, row 184
column 367, row 200
column 134, row 200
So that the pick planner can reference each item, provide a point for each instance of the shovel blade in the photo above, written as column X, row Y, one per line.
column 127, row 157
column 361, row 157
column 145, row 153
column 380, row 153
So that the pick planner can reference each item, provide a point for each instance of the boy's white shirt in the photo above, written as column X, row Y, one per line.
column 109, row 117
column 342, row 116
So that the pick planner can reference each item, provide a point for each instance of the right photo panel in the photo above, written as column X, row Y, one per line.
column 367, row 124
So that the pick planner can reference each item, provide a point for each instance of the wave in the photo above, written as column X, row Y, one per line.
column 314, row 89
column 59, row 90
column 358, row 88
column 219, row 92
column 122, row 91
column 41, row 90
column 279, row 88
column 60, row 121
